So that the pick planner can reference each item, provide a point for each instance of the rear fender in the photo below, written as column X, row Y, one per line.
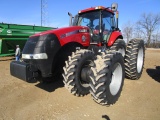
column 113, row 37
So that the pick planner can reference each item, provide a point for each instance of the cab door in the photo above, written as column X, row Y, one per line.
column 108, row 25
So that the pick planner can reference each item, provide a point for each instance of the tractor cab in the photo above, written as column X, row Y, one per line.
column 99, row 20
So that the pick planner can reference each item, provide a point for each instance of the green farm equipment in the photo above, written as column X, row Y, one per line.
column 14, row 34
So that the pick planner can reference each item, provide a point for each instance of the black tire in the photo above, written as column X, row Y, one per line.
column 120, row 46
column 107, row 78
column 73, row 80
column 134, row 59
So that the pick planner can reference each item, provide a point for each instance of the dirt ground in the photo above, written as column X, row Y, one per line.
column 140, row 99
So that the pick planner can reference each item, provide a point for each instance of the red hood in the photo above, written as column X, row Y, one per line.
column 61, row 31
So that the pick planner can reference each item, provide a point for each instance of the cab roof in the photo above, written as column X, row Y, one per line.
column 96, row 8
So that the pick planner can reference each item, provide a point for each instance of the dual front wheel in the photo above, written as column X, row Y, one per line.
column 107, row 77
column 103, row 77
column 75, row 72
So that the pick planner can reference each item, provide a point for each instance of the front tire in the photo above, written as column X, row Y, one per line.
column 75, row 72
column 134, row 59
column 107, row 78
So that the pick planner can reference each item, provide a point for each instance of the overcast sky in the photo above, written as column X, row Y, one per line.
column 29, row 11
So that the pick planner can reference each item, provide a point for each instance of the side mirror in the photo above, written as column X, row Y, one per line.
column 114, row 7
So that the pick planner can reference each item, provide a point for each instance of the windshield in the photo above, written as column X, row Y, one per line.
column 89, row 19
column 99, row 23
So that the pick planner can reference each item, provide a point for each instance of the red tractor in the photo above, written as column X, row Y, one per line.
column 90, row 54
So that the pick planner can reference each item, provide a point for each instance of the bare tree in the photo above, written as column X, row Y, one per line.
column 149, row 23
column 156, row 39
column 127, row 31
column 138, row 32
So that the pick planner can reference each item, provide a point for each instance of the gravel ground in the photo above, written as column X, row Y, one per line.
column 25, row 101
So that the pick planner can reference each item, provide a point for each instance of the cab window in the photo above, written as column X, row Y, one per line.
column 107, row 24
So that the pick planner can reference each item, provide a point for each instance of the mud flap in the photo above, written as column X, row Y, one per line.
column 21, row 70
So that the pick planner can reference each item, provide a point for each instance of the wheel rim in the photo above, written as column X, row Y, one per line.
column 140, row 60
column 122, row 51
column 116, row 79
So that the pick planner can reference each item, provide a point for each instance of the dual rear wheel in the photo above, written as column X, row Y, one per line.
column 134, row 59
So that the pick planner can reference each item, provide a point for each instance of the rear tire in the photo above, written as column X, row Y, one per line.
column 78, row 62
column 120, row 46
column 134, row 59
column 107, row 78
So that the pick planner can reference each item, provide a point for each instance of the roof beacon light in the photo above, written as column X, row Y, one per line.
column 98, row 7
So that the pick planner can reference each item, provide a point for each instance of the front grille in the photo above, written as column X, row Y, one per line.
column 30, row 45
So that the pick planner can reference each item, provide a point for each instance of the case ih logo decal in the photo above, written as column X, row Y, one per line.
column 69, row 33
column 83, row 38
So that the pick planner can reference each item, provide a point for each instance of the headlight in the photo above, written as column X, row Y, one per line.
column 35, row 56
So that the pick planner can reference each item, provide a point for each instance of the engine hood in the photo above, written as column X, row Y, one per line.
column 78, row 34
column 61, row 31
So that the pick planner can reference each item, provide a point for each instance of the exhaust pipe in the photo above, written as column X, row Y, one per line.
column 71, row 17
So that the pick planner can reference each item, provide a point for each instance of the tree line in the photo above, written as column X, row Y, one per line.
column 146, row 28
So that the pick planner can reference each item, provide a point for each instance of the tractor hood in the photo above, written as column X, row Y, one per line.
column 64, row 32
column 69, row 34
